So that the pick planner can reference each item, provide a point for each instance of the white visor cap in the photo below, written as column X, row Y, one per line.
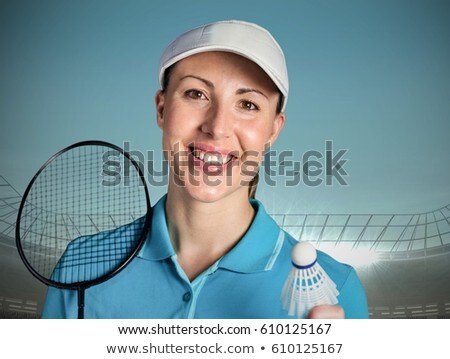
column 243, row 38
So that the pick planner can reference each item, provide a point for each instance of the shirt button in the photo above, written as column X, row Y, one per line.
column 187, row 296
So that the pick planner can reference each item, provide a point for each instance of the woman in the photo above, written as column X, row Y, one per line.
column 213, row 252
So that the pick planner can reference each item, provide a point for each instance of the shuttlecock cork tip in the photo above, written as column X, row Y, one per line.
column 303, row 255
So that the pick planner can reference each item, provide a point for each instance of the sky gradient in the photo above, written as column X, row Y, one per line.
column 371, row 76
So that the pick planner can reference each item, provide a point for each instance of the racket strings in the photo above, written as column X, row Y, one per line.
column 83, row 216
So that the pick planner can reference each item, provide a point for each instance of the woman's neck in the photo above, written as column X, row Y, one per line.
column 200, row 232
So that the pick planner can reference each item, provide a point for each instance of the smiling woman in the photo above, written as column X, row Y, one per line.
column 213, row 252
column 231, row 106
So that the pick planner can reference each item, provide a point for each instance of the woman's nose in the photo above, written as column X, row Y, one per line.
column 218, row 122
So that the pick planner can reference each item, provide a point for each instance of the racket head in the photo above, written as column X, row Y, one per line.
column 84, row 215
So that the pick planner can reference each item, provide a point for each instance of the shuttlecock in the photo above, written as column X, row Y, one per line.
column 308, row 284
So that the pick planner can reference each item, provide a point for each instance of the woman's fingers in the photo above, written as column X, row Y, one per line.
column 326, row 312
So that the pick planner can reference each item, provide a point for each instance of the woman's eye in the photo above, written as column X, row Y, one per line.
column 195, row 94
column 249, row 106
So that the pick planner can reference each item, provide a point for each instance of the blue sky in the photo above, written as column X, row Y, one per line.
column 372, row 76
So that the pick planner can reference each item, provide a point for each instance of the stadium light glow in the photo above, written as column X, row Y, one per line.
column 345, row 253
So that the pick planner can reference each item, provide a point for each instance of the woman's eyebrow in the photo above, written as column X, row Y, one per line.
column 247, row 90
column 207, row 82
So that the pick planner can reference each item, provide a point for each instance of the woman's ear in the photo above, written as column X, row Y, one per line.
column 159, row 101
column 278, row 125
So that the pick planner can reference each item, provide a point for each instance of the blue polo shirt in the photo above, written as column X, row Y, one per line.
column 245, row 283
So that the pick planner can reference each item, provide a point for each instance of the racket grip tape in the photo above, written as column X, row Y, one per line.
column 80, row 303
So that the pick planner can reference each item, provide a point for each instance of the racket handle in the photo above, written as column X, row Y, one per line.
column 80, row 303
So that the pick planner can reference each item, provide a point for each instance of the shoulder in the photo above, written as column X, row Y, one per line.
column 89, row 257
column 338, row 272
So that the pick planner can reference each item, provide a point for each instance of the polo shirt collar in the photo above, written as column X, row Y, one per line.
column 255, row 252
column 259, row 247
column 158, row 245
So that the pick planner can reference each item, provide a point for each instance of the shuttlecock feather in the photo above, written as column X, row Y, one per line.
column 307, row 285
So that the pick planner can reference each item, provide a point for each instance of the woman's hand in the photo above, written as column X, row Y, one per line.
column 326, row 312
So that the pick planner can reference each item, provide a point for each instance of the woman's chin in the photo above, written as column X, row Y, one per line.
column 212, row 191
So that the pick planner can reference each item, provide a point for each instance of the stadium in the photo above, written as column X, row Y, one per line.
column 403, row 260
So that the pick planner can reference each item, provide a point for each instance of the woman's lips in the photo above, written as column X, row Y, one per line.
column 209, row 159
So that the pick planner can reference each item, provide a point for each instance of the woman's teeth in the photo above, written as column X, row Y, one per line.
column 211, row 159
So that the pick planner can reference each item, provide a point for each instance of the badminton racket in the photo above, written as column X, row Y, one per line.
column 83, row 217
